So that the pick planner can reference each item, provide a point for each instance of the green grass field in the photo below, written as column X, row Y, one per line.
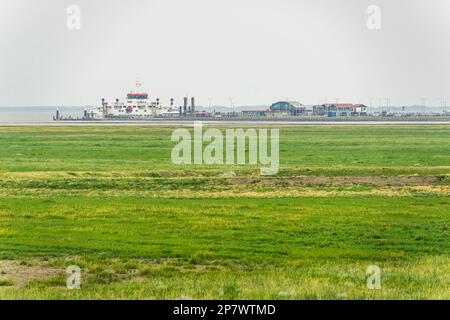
column 109, row 200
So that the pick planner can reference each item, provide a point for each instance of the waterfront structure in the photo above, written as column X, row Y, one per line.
column 278, row 109
column 340, row 110
column 287, row 108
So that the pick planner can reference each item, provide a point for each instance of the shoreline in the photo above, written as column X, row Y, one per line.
column 222, row 122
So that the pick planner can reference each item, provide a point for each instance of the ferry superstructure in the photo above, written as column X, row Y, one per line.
column 137, row 105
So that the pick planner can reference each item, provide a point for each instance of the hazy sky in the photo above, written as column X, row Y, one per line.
column 255, row 51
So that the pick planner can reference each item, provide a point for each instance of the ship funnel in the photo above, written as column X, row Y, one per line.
column 193, row 105
column 185, row 105
column 171, row 102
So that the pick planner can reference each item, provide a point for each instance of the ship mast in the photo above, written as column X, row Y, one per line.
column 138, row 84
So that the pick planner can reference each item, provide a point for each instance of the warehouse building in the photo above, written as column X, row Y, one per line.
column 340, row 110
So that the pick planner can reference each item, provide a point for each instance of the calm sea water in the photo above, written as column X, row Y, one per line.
column 36, row 114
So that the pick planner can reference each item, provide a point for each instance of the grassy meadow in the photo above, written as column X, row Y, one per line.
column 109, row 200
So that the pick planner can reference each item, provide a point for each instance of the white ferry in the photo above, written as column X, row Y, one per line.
column 137, row 105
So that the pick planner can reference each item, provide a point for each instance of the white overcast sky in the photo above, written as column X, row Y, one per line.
column 255, row 51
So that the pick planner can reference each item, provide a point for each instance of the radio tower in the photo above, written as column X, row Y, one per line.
column 444, row 104
column 388, row 105
column 371, row 104
column 424, row 104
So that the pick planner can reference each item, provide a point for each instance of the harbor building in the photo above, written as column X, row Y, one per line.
column 287, row 108
column 340, row 110
column 278, row 109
